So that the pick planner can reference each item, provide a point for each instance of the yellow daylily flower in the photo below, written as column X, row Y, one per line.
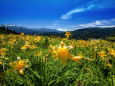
column 3, row 43
column 102, row 54
column 28, row 46
column 108, row 65
column 22, row 34
column 111, row 52
column 19, row 65
column 62, row 52
column 67, row 34
column 3, row 51
column 37, row 39
column 32, row 46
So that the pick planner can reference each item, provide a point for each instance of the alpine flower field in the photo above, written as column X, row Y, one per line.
column 31, row 60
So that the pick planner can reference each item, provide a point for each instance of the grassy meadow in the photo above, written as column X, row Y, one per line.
column 30, row 60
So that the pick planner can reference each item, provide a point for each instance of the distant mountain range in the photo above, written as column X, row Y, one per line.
column 86, row 33
column 20, row 29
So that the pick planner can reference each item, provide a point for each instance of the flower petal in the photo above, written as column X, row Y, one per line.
column 13, row 63
column 18, row 59
column 26, row 66
column 76, row 58
column 25, row 61
column 21, row 71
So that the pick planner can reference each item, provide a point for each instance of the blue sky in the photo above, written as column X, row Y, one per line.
column 58, row 14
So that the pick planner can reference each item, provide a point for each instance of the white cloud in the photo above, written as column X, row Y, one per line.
column 107, row 26
column 62, row 29
column 69, row 14
column 9, row 25
column 92, row 24
column 97, row 23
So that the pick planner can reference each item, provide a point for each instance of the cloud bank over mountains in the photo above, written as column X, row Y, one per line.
column 97, row 23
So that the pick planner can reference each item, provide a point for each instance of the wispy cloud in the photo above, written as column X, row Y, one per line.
column 69, row 14
column 97, row 23
column 97, row 4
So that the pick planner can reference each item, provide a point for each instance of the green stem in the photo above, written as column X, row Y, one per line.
column 46, row 77
column 3, row 67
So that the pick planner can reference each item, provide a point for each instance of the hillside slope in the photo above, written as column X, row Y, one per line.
column 93, row 33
